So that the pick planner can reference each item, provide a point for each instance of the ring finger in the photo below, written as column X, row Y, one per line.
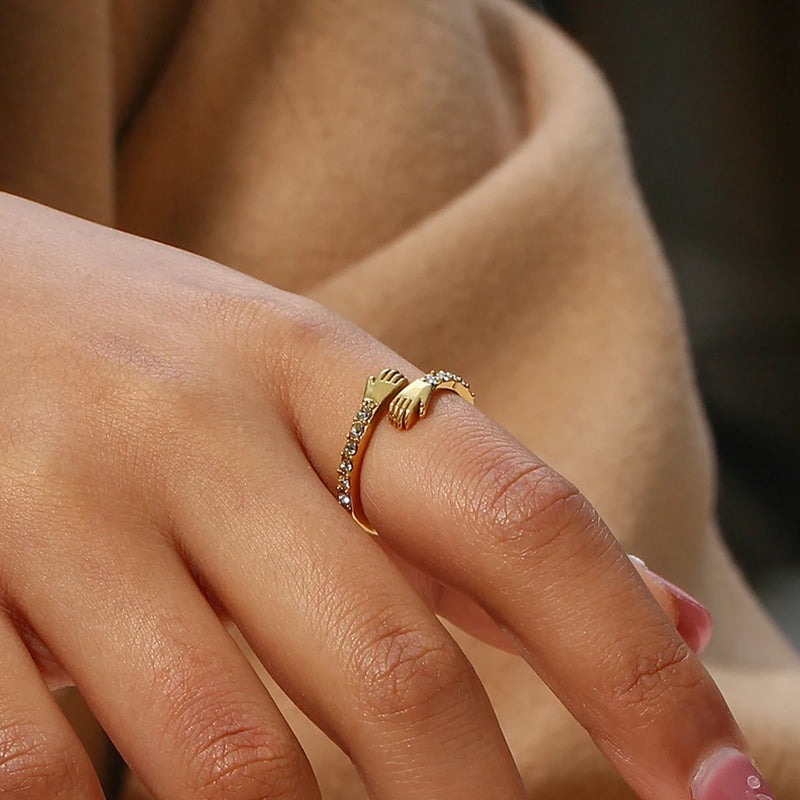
column 341, row 630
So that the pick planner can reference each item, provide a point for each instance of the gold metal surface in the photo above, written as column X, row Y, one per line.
column 411, row 404
column 407, row 403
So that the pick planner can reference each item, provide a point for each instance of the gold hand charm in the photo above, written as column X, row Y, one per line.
column 411, row 403
column 407, row 403
column 386, row 384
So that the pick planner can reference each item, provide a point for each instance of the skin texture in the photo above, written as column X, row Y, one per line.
column 168, row 446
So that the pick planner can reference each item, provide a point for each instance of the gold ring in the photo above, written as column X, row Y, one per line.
column 407, row 403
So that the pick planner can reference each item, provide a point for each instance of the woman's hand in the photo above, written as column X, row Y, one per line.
column 169, row 436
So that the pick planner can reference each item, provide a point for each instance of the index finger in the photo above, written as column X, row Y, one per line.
column 462, row 499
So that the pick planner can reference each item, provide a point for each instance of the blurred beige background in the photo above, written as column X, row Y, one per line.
column 711, row 98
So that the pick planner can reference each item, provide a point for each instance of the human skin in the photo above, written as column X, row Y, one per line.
column 169, row 438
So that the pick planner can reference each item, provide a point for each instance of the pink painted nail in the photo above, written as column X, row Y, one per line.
column 729, row 775
column 694, row 619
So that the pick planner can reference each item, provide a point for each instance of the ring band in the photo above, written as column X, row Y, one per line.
column 406, row 403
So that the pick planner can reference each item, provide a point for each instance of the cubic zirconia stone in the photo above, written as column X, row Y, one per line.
column 364, row 415
column 345, row 500
column 357, row 430
column 344, row 484
column 350, row 449
column 346, row 466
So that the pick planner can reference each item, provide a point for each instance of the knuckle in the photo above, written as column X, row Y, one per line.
column 19, row 492
column 229, row 751
column 29, row 470
column 307, row 323
column 525, row 505
column 262, row 329
column 259, row 322
column 53, row 447
column 313, row 334
column 234, row 759
column 241, row 317
column 655, row 677
column 406, row 672
column 34, row 764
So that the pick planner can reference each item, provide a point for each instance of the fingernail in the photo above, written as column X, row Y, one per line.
column 694, row 619
column 729, row 775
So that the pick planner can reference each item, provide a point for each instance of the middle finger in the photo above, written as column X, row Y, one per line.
column 341, row 630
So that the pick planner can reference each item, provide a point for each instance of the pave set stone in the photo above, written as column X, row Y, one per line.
column 435, row 377
column 361, row 420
